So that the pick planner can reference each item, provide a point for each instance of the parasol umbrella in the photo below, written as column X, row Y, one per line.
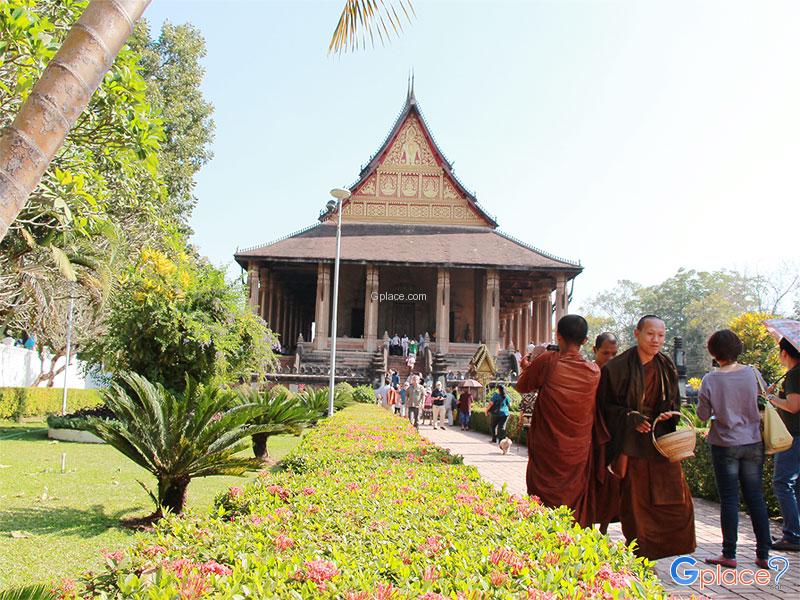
column 785, row 328
column 471, row 383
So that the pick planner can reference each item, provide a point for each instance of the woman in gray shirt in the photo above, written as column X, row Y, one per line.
column 729, row 396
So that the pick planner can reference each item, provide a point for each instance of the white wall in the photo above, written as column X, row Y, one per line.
column 20, row 368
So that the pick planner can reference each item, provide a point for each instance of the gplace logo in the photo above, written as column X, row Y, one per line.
column 683, row 572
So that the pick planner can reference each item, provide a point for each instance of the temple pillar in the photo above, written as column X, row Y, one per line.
column 285, row 324
column 263, row 292
column 562, row 301
column 504, row 331
column 277, row 321
column 521, row 318
column 526, row 327
column 443, row 310
column 549, row 319
column 323, row 303
column 512, row 327
column 252, row 286
column 491, row 305
column 371, row 306
column 541, row 319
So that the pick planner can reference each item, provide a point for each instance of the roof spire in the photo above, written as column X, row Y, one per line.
column 411, row 89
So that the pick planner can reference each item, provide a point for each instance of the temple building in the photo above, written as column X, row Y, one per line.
column 419, row 256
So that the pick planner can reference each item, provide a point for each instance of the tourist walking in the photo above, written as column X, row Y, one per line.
column 439, row 406
column 393, row 397
column 730, row 396
column 639, row 391
column 465, row 408
column 498, row 409
column 400, row 408
column 560, row 436
column 786, row 472
column 404, row 345
column 415, row 395
column 451, row 404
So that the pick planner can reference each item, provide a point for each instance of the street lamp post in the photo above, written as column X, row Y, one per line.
column 341, row 195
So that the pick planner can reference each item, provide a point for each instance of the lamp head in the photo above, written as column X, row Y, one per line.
column 331, row 205
column 340, row 193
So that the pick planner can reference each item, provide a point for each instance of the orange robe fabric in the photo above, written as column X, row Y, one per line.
column 560, row 436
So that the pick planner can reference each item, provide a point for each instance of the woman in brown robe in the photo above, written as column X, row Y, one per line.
column 636, row 390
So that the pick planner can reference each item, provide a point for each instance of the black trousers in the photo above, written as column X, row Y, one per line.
column 499, row 427
column 413, row 411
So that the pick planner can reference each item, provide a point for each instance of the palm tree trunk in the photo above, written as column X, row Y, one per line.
column 29, row 144
column 260, row 449
column 172, row 494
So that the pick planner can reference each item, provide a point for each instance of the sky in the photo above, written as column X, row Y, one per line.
column 635, row 136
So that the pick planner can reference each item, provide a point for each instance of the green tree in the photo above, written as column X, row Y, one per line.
column 172, row 69
column 178, row 317
column 177, row 437
column 68, row 240
column 760, row 348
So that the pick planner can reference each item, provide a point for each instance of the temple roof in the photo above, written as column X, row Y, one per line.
column 410, row 180
column 385, row 243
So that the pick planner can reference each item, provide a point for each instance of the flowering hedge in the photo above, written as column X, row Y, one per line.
column 365, row 508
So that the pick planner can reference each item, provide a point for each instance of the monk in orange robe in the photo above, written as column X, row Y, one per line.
column 560, row 436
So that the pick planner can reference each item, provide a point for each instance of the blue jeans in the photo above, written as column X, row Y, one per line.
column 735, row 466
column 787, row 490
column 464, row 418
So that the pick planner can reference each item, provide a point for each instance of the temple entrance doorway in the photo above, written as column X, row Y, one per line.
column 403, row 320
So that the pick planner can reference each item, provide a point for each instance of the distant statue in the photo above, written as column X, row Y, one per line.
column 467, row 333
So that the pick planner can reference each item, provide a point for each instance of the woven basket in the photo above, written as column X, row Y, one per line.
column 678, row 445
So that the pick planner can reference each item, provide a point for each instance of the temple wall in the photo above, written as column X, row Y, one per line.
column 462, row 304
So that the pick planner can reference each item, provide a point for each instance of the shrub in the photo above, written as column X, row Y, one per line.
column 364, row 394
column 345, row 390
column 21, row 400
column 699, row 473
column 80, row 418
column 45, row 401
column 374, row 511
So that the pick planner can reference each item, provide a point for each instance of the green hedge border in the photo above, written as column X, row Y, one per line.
column 40, row 402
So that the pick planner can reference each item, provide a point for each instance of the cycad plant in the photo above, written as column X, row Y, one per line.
column 283, row 411
column 178, row 437
column 316, row 399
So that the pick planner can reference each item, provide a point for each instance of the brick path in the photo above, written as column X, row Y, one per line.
column 509, row 470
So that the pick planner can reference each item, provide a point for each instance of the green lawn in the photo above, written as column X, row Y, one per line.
column 54, row 525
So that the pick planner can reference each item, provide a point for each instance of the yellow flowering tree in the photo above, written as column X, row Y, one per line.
column 760, row 348
column 174, row 315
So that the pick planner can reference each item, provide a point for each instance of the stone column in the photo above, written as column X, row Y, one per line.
column 541, row 319
column 322, row 310
column 263, row 292
column 443, row 310
column 278, row 320
column 252, row 286
column 549, row 317
column 526, row 326
column 512, row 327
column 562, row 302
column 491, row 306
column 371, row 308
column 504, row 331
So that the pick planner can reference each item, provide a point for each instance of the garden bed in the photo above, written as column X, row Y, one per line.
column 365, row 508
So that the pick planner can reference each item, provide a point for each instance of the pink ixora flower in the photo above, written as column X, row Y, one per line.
column 432, row 545
column 283, row 542
column 498, row 578
column 65, row 589
column 503, row 556
column 212, row 566
column 114, row 556
column 565, row 538
column 431, row 573
column 534, row 594
column 309, row 491
column 153, row 550
column 432, row 596
column 318, row 571
column 235, row 491
column 352, row 486
column 279, row 491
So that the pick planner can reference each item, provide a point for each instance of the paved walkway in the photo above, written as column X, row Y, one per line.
column 509, row 470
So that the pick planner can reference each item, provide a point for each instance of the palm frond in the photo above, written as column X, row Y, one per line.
column 362, row 18
column 29, row 592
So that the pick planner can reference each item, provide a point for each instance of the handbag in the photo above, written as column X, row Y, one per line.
column 773, row 430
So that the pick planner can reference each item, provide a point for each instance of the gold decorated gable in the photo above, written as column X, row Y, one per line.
column 410, row 186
